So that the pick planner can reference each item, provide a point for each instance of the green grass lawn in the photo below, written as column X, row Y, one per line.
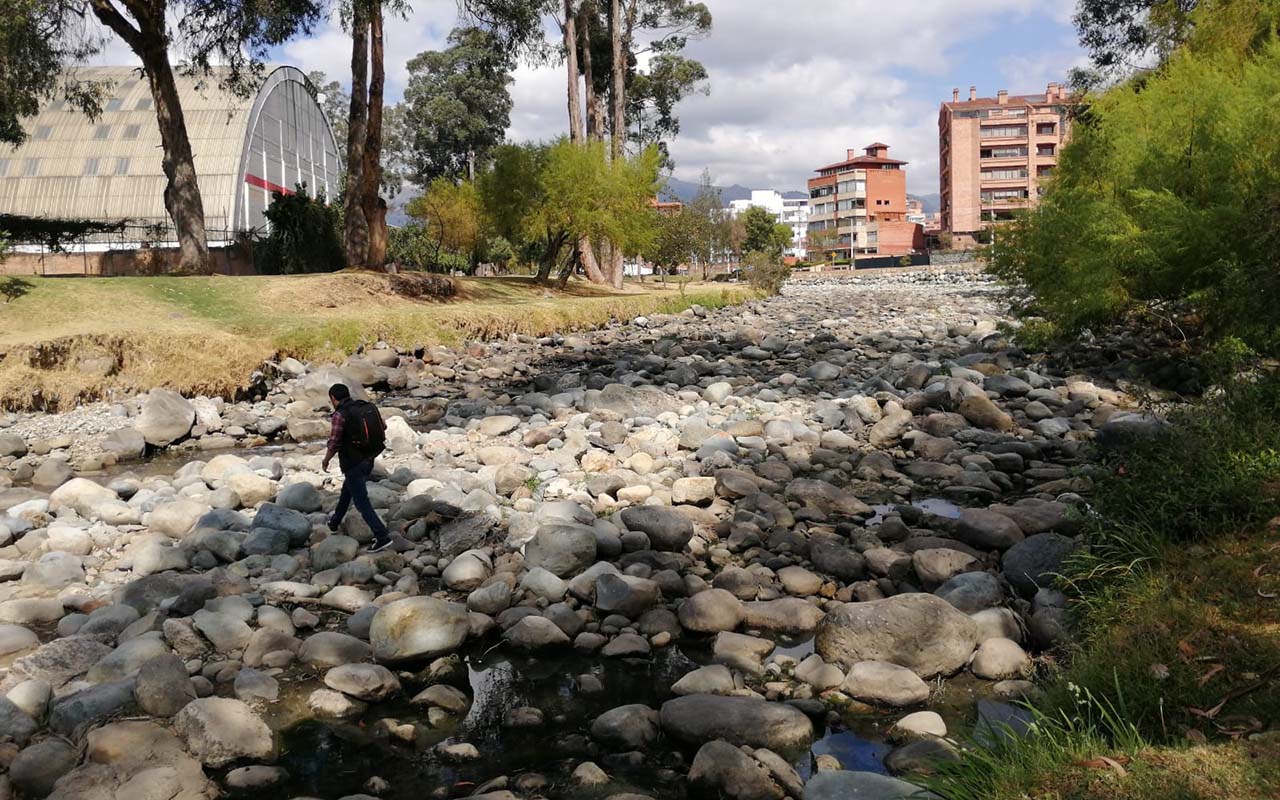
column 207, row 334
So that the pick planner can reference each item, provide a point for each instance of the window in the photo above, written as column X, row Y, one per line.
column 4, row 167
column 58, row 105
column 1008, row 174
column 31, row 167
column 43, row 131
column 101, row 132
column 1045, row 150
column 821, row 191
column 115, row 104
column 90, row 166
column 144, row 104
column 122, row 166
column 1004, row 195
column 132, row 131
column 1003, row 152
column 1046, row 129
column 852, row 187
column 1004, row 131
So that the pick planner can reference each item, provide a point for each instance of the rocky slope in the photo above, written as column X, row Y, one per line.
column 780, row 519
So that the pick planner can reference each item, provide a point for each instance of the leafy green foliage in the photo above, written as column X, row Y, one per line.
column 675, row 240
column 457, row 106
column 763, row 233
column 1168, row 196
column 765, row 271
column 543, row 197
column 335, row 101
column 451, row 219
column 1121, row 34
column 304, row 236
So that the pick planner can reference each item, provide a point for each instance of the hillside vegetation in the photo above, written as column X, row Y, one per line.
column 66, row 341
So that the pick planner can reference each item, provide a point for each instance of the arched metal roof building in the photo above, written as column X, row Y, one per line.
column 109, row 168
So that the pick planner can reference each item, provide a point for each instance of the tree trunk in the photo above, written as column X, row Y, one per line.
column 181, row 192
column 571, row 66
column 618, row 108
column 357, row 228
column 595, row 103
column 375, row 208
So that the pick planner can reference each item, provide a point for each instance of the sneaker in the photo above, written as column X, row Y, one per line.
column 334, row 526
column 378, row 547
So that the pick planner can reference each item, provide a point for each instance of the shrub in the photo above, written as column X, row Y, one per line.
column 765, row 272
column 303, row 236
column 1166, row 197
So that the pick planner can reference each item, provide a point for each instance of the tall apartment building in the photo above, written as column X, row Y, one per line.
column 993, row 153
column 859, row 207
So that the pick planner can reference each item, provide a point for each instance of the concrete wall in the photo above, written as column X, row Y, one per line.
column 151, row 261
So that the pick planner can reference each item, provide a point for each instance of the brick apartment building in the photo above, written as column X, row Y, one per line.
column 993, row 153
column 859, row 207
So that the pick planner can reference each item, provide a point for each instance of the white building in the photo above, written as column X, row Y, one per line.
column 793, row 212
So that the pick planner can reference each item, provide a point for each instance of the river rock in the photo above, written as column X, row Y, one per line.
column 699, row 718
column 218, row 730
column 1033, row 562
column 562, row 549
column 667, row 529
column 711, row 611
column 166, row 417
column 722, row 770
column 923, row 633
column 883, row 683
column 418, row 627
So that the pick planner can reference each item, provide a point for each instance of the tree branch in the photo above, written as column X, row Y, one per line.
column 108, row 15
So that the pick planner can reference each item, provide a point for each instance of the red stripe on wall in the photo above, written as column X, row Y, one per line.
column 254, row 180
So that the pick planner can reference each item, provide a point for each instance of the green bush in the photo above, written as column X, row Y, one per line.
column 303, row 236
column 765, row 271
column 1165, row 199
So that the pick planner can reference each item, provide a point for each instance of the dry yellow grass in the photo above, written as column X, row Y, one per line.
column 69, row 341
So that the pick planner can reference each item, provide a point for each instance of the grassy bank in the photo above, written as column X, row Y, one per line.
column 1173, row 689
column 71, row 340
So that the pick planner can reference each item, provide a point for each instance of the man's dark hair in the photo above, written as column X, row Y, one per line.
column 339, row 392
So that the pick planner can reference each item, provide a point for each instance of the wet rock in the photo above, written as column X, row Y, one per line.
column 699, row 718
column 332, row 649
column 723, row 770
column 630, row 727
column 625, row 594
column 535, row 633
column 369, row 682
column 844, row 785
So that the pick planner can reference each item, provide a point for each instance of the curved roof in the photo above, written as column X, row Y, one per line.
column 110, row 168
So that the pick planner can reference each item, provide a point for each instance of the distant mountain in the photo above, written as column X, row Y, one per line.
column 685, row 191
column 932, row 202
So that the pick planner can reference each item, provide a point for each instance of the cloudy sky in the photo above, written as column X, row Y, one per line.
column 793, row 83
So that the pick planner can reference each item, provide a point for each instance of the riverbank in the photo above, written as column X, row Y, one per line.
column 67, row 341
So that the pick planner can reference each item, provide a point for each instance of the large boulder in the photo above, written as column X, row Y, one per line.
column 712, row 611
column 418, row 627
column 699, row 718
column 987, row 530
column 886, row 684
column 82, row 496
column 921, row 632
column 630, row 401
column 166, row 417
column 843, row 785
column 562, row 549
column 722, row 770
column 1032, row 563
column 667, row 528
column 827, row 498
column 219, row 730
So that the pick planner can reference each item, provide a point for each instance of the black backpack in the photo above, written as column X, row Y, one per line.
column 364, row 431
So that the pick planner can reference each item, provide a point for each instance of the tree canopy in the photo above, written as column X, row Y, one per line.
column 457, row 106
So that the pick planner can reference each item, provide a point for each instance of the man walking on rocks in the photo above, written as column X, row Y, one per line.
column 357, row 436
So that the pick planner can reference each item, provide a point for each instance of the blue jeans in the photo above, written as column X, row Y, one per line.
column 354, row 489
